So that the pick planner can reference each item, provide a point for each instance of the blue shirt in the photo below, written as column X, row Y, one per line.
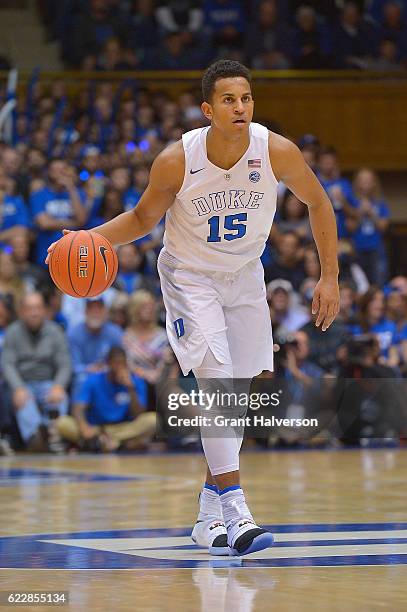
column 56, row 204
column 218, row 15
column 385, row 331
column 87, row 347
column 367, row 237
column 130, row 281
column 109, row 402
column 13, row 212
column 130, row 198
column 346, row 189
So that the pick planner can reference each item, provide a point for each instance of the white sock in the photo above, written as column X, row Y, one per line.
column 234, row 505
column 209, row 503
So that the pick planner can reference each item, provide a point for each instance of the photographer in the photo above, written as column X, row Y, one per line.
column 371, row 398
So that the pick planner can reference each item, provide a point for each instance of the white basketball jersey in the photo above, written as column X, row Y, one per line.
column 221, row 219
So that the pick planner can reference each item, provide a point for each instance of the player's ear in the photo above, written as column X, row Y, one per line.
column 207, row 110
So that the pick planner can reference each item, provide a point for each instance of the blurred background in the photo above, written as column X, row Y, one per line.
column 90, row 92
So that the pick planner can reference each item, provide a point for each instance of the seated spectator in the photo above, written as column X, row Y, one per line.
column 11, row 164
column 145, row 342
column 14, row 216
column 288, row 263
column 37, row 369
column 349, row 269
column 338, row 188
column 92, row 29
column 143, row 27
column 368, row 226
column 293, row 217
column 109, row 411
column 109, row 207
column 10, row 283
column 286, row 314
column 224, row 20
column 394, row 28
column 118, row 311
column 36, row 166
column 34, row 277
column 386, row 58
column 114, row 56
column 130, row 277
column 396, row 311
column 59, row 205
column 7, row 316
column 348, row 309
column 179, row 16
column 312, row 266
column 327, row 9
column 268, row 39
column 372, row 320
column 312, row 43
column 174, row 53
column 89, row 342
column 354, row 39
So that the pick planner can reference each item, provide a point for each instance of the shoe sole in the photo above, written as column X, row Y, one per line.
column 219, row 551
column 260, row 542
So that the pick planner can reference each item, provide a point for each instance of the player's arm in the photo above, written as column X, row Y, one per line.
column 166, row 177
column 289, row 166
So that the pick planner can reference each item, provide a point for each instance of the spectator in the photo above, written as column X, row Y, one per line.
column 145, row 343
column 143, row 32
column 369, row 225
column 394, row 29
column 90, row 341
column 11, row 163
column 59, row 205
column 268, row 40
column 37, row 369
column 14, row 217
column 312, row 44
column 109, row 411
column 7, row 316
column 372, row 320
column 179, row 16
column 312, row 266
column 339, row 189
column 348, row 310
column 288, row 262
column 114, row 57
column 225, row 21
column 10, row 282
column 387, row 58
column 287, row 316
column 396, row 311
column 354, row 39
column 293, row 217
column 349, row 270
column 130, row 277
column 34, row 277
column 92, row 29
column 118, row 311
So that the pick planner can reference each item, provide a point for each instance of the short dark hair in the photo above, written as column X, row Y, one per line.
column 222, row 69
column 115, row 351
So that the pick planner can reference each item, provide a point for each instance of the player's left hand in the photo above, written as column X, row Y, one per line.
column 325, row 303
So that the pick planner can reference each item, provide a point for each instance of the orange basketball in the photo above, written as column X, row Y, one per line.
column 83, row 264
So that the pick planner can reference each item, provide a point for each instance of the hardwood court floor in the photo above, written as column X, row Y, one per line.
column 114, row 532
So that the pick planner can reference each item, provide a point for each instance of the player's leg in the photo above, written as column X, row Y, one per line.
column 222, row 446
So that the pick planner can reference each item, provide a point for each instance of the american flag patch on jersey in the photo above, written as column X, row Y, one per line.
column 254, row 163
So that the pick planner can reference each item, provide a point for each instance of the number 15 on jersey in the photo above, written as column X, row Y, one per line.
column 233, row 223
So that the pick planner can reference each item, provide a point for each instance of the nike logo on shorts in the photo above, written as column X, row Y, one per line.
column 195, row 171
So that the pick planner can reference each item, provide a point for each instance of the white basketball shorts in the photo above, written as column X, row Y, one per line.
column 226, row 312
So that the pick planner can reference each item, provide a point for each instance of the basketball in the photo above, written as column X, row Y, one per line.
column 83, row 264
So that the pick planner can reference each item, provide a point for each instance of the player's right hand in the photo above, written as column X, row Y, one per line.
column 52, row 246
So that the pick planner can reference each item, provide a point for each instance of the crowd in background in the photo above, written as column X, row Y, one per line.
column 77, row 162
column 265, row 34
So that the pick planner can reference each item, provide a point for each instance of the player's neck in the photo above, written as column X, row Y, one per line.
column 223, row 151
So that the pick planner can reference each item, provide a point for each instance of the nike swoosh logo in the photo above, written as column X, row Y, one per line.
column 195, row 171
column 102, row 251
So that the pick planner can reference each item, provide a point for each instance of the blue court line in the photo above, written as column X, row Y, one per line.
column 34, row 476
column 296, row 544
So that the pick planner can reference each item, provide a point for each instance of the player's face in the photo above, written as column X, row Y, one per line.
column 231, row 106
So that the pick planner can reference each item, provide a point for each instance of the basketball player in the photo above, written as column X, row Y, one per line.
column 218, row 189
